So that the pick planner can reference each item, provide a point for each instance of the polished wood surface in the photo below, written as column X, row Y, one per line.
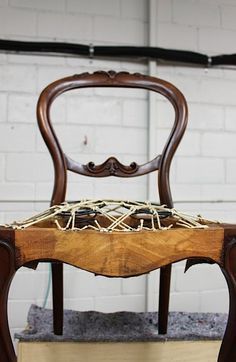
column 7, row 271
column 119, row 352
column 112, row 166
column 228, row 346
column 217, row 244
column 118, row 253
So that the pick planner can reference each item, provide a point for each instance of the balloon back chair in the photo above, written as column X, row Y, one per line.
column 111, row 167
column 114, row 254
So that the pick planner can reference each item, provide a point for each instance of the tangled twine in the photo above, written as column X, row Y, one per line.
column 109, row 216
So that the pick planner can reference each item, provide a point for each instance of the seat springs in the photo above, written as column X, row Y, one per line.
column 111, row 216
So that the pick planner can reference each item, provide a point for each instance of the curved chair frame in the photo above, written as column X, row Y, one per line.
column 111, row 167
column 215, row 244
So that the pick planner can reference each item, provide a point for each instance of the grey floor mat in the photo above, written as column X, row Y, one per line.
column 122, row 326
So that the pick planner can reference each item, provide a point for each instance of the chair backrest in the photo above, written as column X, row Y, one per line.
column 111, row 167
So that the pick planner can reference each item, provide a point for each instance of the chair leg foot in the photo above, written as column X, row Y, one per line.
column 164, row 296
column 228, row 347
column 57, row 292
column 7, row 271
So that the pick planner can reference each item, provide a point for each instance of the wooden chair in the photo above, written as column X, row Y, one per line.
column 133, row 253
column 111, row 167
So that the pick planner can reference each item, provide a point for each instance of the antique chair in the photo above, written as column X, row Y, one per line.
column 111, row 167
column 115, row 254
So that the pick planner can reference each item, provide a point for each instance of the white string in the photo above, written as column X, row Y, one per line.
column 118, row 213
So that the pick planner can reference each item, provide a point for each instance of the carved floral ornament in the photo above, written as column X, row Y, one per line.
column 111, row 167
column 109, row 74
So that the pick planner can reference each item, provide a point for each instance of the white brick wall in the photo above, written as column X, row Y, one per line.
column 203, row 168
column 198, row 14
column 204, row 164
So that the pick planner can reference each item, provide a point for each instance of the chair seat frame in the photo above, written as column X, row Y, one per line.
column 217, row 244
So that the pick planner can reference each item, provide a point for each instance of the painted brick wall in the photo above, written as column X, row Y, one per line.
column 204, row 166
column 203, row 169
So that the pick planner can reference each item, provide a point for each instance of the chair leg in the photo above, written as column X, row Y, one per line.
column 57, row 295
column 228, row 347
column 164, row 296
column 7, row 271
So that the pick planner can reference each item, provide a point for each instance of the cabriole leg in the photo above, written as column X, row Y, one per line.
column 228, row 347
column 7, row 271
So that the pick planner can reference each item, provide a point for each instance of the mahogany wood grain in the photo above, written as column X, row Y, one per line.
column 115, row 254
column 118, row 254
column 112, row 166
column 7, row 271
column 228, row 348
